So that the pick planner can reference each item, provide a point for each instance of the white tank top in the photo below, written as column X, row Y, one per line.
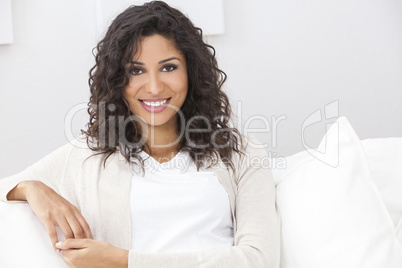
column 174, row 208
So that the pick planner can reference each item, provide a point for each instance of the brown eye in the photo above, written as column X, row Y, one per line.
column 169, row 68
column 136, row 71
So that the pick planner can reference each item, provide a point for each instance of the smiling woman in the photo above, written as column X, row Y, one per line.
column 155, row 52
column 156, row 98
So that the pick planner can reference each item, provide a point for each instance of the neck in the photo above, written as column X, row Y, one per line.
column 162, row 140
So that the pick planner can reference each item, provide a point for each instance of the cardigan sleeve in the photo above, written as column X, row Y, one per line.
column 49, row 170
column 257, row 238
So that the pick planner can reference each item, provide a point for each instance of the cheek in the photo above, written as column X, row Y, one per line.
column 130, row 92
column 181, row 82
column 129, row 95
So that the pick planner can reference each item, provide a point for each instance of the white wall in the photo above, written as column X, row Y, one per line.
column 294, row 57
column 42, row 75
column 282, row 59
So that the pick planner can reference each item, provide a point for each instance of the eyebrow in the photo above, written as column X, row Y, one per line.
column 162, row 61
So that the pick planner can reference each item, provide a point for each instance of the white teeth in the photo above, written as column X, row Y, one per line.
column 155, row 104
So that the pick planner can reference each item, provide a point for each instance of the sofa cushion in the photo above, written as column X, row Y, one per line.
column 333, row 215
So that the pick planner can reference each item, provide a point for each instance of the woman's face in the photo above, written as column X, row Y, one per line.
column 158, row 82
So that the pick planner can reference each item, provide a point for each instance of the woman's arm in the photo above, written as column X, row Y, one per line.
column 18, row 192
column 84, row 253
column 53, row 210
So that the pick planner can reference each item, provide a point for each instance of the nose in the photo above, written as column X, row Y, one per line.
column 155, row 84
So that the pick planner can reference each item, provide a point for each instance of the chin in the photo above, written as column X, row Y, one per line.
column 157, row 121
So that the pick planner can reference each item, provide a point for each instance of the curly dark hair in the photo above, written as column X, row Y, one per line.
column 205, row 98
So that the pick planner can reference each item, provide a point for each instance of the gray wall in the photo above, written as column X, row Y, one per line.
column 283, row 60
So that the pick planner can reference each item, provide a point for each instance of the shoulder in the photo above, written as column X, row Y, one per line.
column 78, row 151
column 83, row 153
column 252, row 148
column 79, row 146
column 253, row 158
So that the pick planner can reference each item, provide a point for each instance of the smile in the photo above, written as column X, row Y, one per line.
column 155, row 106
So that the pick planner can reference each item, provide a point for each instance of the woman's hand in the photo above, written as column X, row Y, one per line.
column 53, row 210
column 88, row 253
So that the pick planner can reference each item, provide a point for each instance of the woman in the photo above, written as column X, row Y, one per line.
column 156, row 98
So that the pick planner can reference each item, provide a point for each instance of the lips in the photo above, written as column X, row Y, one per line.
column 155, row 100
column 155, row 109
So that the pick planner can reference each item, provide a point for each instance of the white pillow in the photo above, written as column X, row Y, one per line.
column 398, row 232
column 384, row 157
column 282, row 164
column 24, row 241
column 334, row 216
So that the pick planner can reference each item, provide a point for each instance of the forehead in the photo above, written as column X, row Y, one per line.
column 156, row 47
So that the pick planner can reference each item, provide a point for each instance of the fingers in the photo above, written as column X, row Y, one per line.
column 51, row 230
column 54, row 210
column 66, row 257
column 85, row 226
column 76, row 228
column 73, row 225
column 71, row 228
column 65, row 228
column 73, row 244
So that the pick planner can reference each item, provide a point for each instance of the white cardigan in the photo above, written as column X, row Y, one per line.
column 102, row 195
